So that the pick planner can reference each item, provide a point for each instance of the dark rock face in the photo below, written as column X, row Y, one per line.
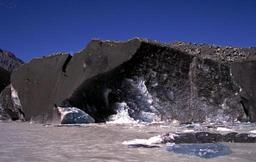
column 37, row 85
column 213, row 90
column 169, row 83
column 241, row 64
column 157, row 82
column 11, row 107
column 9, row 61
column 4, row 78
column 44, row 82
column 245, row 76
column 6, row 102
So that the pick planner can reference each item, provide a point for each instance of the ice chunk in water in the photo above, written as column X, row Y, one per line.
column 222, row 129
column 151, row 141
column 208, row 150
column 73, row 115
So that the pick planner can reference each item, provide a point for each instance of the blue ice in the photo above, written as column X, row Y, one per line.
column 207, row 150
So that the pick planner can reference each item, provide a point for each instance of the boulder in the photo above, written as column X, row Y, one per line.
column 10, row 105
column 184, row 82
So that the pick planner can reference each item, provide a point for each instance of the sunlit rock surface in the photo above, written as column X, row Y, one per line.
column 157, row 82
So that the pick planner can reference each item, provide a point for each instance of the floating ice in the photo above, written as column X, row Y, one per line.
column 149, row 143
column 188, row 131
column 210, row 150
column 252, row 131
column 222, row 129
column 73, row 115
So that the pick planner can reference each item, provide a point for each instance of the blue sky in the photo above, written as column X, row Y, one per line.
column 31, row 28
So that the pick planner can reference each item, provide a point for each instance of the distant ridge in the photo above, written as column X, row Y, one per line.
column 9, row 61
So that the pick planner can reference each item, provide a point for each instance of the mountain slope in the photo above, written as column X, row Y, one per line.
column 9, row 61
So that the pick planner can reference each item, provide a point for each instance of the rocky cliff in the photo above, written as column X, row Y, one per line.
column 4, row 78
column 178, row 81
column 8, row 62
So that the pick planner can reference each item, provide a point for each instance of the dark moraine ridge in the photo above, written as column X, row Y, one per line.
column 186, row 82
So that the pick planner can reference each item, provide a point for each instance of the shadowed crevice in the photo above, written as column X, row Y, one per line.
column 243, row 103
column 64, row 67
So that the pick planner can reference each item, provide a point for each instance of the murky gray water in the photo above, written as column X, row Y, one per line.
column 24, row 142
